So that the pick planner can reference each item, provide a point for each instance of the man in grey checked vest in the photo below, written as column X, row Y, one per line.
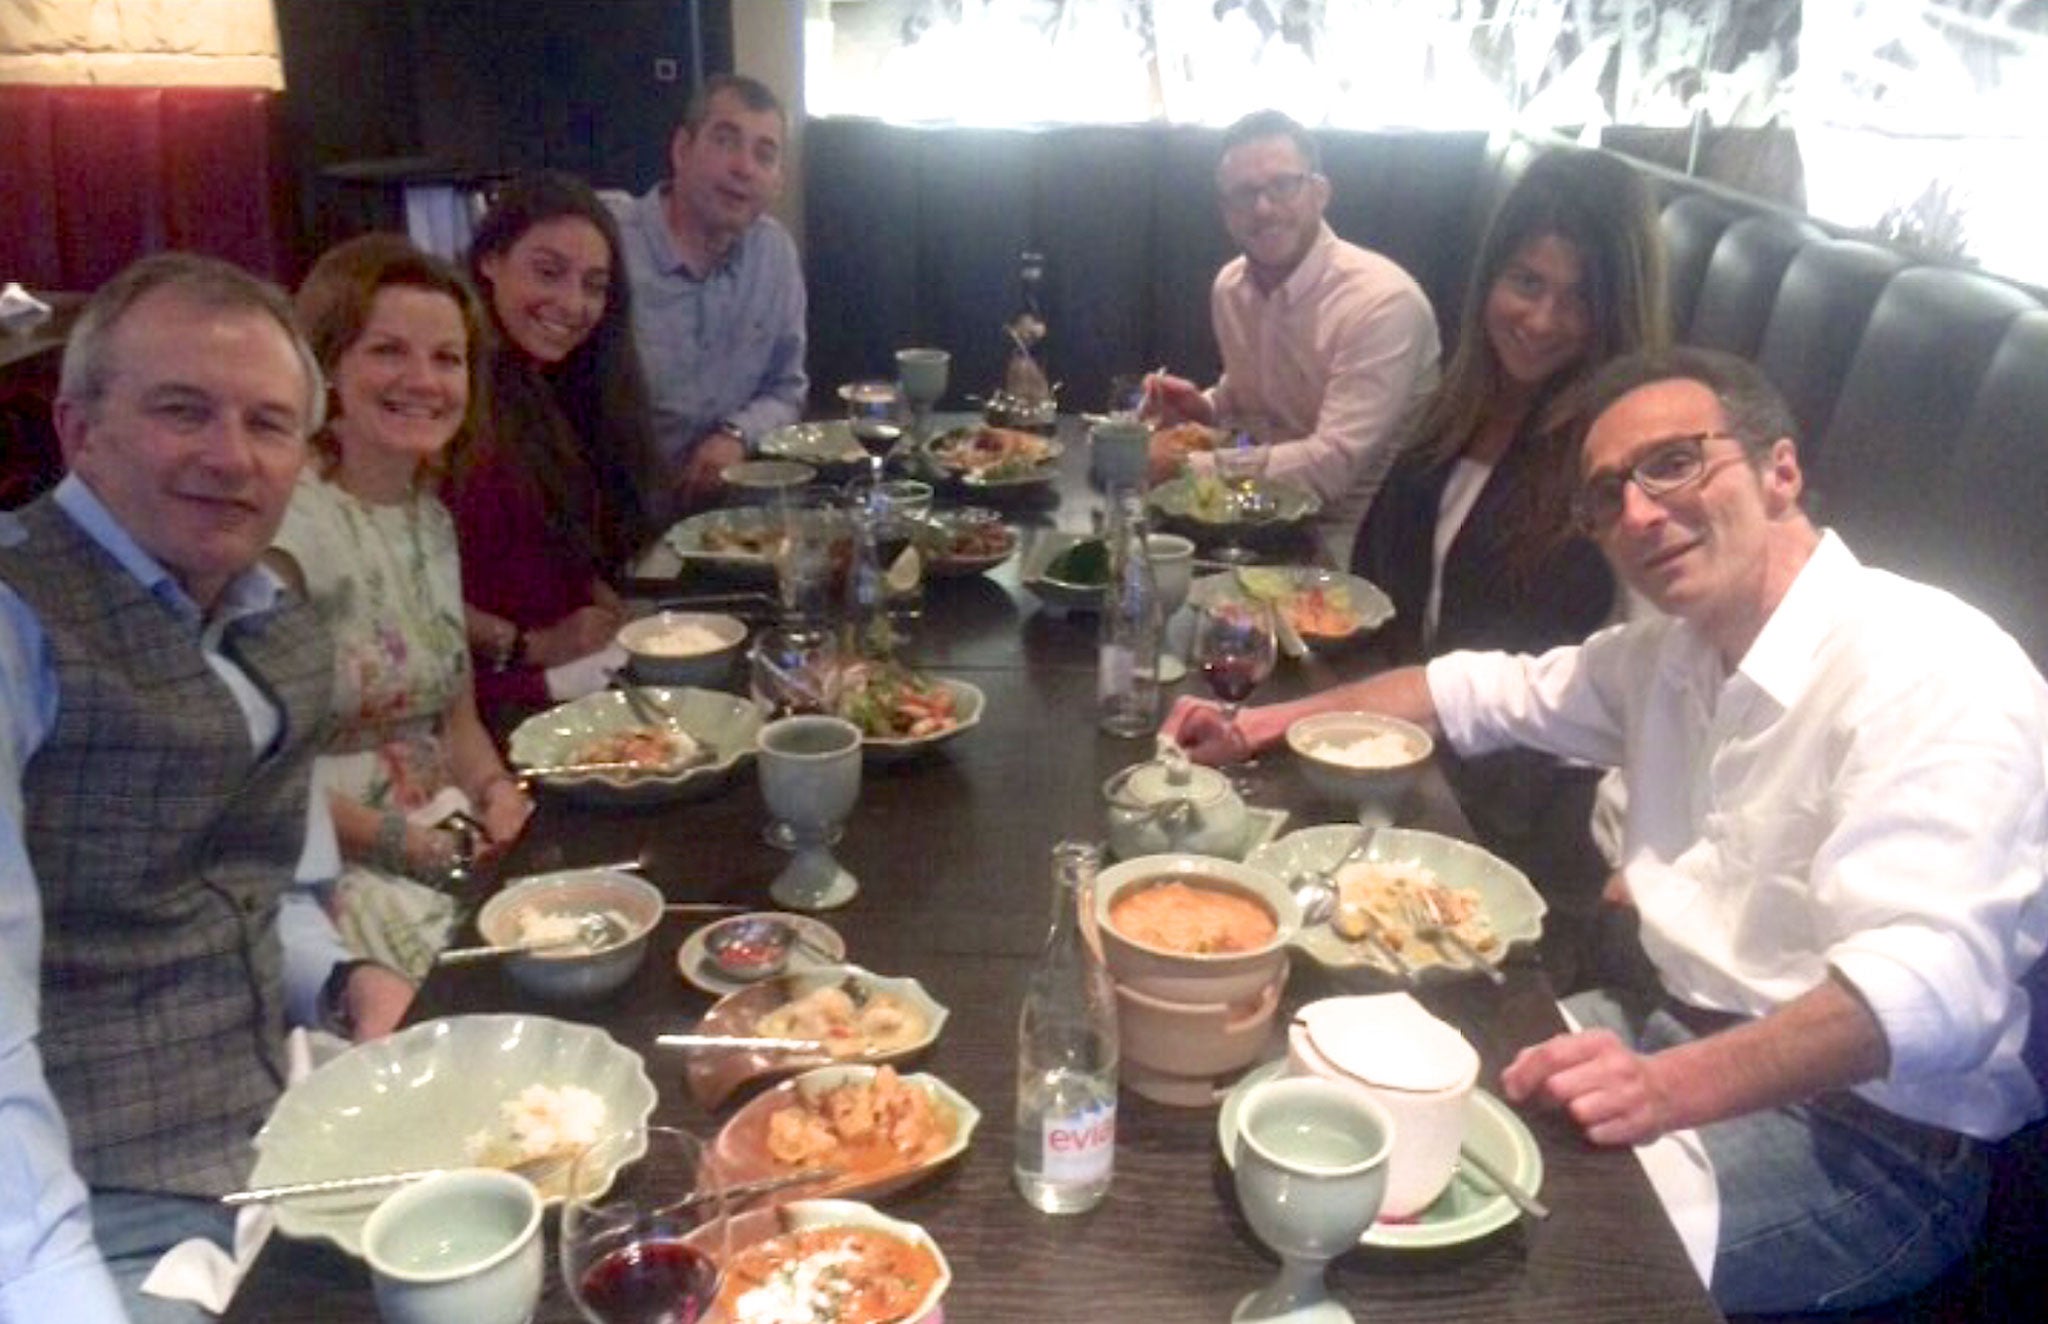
column 161, row 699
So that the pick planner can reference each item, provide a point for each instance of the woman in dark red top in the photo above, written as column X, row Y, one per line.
column 546, row 509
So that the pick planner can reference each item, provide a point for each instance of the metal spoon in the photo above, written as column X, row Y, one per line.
column 1316, row 891
column 594, row 931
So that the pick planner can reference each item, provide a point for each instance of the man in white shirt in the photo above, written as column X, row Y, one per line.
column 1329, row 350
column 1836, row 840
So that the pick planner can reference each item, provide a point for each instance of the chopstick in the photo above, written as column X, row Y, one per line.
column 739, row 1041
column 747, row 1190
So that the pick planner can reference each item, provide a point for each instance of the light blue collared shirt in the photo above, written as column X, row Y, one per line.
column 49, row 1266
column 726, row 347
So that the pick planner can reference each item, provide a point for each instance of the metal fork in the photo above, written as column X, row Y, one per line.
column 1425, row 915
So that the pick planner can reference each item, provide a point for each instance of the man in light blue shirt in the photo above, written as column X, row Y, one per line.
column 718, row 290
column 133, row 816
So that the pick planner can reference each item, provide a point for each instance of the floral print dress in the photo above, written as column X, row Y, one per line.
column 386, row 580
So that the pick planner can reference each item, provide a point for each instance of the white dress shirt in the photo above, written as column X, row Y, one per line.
column 1868, row 792
column 1334, row 365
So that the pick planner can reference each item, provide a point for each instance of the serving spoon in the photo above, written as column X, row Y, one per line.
column 1315, row 891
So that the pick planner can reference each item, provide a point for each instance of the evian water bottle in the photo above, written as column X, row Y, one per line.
column 1066, row 1056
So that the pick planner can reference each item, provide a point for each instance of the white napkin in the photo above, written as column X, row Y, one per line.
column 586, row 675
column 1683, row 1176
column 16, row 302
column 200, row 1271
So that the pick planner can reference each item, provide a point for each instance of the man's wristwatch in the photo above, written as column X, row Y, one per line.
column 730, row 428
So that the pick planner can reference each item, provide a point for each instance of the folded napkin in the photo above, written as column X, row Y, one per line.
column 17, row 303
column 586, row 675
column 200, row 1271
column 1683, row 1176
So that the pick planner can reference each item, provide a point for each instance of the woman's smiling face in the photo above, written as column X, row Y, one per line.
column 550, row 287
column 403, row 384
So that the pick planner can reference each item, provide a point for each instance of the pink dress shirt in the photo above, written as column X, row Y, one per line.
column 1331, row 368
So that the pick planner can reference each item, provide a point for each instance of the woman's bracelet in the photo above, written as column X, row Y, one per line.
column 509, row 653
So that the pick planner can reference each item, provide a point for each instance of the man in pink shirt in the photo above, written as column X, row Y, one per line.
column 1328, row 350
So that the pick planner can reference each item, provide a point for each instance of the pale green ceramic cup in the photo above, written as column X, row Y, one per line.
column 459, row 1248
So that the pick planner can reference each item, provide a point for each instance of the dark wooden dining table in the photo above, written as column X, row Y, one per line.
column 952, row 851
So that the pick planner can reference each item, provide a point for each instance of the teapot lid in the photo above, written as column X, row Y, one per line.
column 1171, row 776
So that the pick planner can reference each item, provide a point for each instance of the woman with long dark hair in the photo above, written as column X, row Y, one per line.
column 1472, row 535
column 547, row 508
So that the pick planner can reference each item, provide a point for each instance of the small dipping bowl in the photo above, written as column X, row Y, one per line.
column 749, row 947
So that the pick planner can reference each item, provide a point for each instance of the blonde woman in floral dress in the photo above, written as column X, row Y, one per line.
column 398, row 334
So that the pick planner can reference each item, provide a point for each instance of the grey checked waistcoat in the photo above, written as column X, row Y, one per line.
column 161, row 843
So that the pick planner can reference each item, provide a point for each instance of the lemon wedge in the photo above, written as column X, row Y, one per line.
column 905, row 571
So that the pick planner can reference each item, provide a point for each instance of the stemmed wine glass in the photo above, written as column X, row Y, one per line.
column 1310, row 1163
column 1240, row 465
column 644, row 1229
column 1235, row 646
column 922, row 373
column 874, row 414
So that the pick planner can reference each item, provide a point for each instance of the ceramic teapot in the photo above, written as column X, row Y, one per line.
column 1170, row 805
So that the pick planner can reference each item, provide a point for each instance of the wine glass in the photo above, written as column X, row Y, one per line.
column 874, row 414
column 1310, row 1167
column 1240, row 465
column 1235, row 646
column 922, row 373
column 644, row 1229
column 810, row 777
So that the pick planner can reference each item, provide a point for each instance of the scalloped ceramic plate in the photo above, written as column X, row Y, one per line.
column 741, row 1150
column 935, row 455
column 692, row 540
column 968, row 701
column 414, row 1099
column 1370, row 607
column 716, row 1073
column 1060, row 593
column 1512, row 907
column 946, row 565
column 724, row 724
column 1175, row 500
column 797, row 1215
column 827, row 443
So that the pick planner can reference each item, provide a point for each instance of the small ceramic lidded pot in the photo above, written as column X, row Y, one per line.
column 1420, row 1068
column 1170, row 805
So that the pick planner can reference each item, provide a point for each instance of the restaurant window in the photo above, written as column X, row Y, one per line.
column 1922, row 121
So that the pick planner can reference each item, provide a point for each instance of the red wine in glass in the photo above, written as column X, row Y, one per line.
column 651, row 1282
column 1232, row 678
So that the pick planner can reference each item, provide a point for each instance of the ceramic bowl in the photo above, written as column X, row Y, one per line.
column 757, row 1226
column 742, row 1151
column 573, row 974
column 665, row 648
column 1379, row 788
column 1199, row 1039
column 764, row 480
column 968, row 702
column 745, row 948
column 416, row 1098
column 1191, row 977
column 1064, row 594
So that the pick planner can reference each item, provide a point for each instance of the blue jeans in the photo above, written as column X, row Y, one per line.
column 1833, row 1204
column 135, row 1228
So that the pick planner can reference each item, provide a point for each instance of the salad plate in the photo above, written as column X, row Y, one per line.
column 722, row 726
column 892, row 706
column 1322, row 606
column 829, row 444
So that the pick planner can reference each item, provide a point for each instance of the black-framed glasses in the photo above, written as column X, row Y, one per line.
column 1279, row 191
column 1666, row 467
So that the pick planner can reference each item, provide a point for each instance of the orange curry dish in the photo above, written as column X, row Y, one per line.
column 828, row 1275
column 1177, row 916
